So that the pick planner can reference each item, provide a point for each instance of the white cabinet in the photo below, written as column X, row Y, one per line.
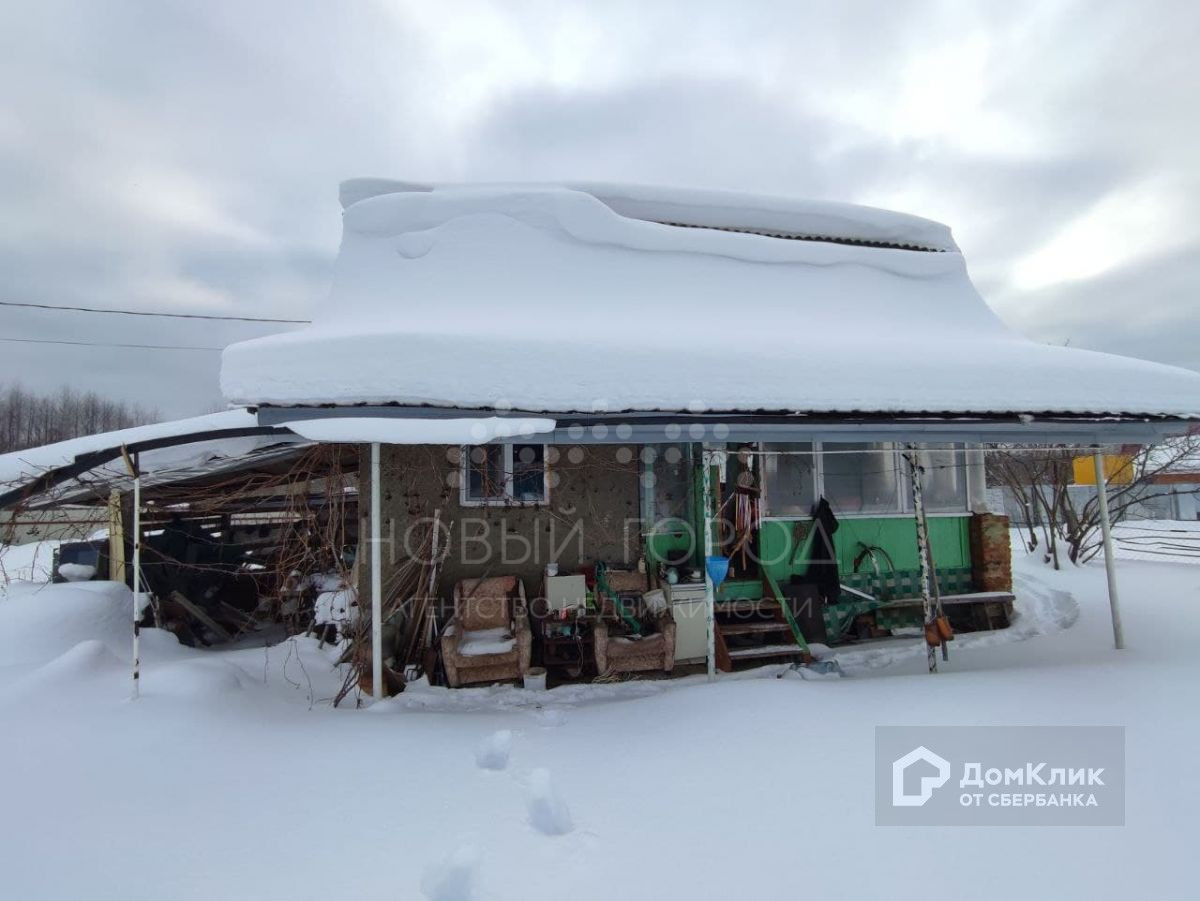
column 691, row 625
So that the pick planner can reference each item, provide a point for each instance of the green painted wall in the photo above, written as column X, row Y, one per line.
column 948, row 538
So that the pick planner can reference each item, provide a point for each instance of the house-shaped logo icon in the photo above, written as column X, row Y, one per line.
column 928, row 783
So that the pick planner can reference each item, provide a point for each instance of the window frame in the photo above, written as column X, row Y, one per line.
column 505, row 498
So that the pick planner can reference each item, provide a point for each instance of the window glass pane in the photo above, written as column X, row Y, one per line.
column 944, row 485
column 485, row 471
column 670, row 482
column 861, row 478
column 529, row 472
column 789, row 478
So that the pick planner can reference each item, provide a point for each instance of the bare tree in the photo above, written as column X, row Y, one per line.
column 29, row 420
column 1056, row 518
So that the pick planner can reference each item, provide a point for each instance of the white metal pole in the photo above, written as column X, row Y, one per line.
column 376, row 579
column 137, row 580
column 1110, row 564
column 710, row 594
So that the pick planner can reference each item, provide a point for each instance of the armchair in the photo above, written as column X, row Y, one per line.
column 489, row 639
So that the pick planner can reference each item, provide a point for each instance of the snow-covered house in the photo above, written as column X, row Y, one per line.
column 1176, row 475
column 577, row 374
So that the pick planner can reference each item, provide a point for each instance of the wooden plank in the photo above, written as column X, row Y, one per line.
column 724, row 660
column 773, row 587
column 752, row 628
column 770, row 650
column 746, row 606
column 116, row 538
column 960, row 600
column 212, row 625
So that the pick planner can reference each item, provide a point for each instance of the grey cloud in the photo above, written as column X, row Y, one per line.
column 175, row 154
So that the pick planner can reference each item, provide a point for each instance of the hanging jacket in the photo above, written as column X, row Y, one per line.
column 823, row 566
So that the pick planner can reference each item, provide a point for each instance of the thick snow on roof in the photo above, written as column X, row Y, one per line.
column 469, row 430
column 22, row 465
column 579, row 298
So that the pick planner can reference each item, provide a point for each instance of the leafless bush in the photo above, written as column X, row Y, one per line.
column 1057, row 520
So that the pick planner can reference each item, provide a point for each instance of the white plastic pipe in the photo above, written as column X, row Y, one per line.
column 1110, row 563
column 137, row 581
column 376, row 579
column 710, row 593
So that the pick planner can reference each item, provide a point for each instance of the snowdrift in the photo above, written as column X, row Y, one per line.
column 38, row 626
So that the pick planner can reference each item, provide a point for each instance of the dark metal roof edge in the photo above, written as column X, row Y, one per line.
column 84, row 462
column 649, row 427
column 275, row 414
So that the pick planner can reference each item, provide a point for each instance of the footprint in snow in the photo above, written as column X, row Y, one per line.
column 550, row 717
column 454, row 878
column 548, row 812
column 493, row 753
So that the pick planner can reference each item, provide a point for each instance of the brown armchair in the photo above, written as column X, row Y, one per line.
column 488, row 640
column 654, row 651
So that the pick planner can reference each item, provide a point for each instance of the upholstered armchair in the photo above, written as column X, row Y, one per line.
column 653, row 651
column 488, row 640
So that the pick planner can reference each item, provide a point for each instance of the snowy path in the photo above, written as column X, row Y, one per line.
column 216, row 785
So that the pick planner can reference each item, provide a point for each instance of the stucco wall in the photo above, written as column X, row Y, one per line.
column 592, row 515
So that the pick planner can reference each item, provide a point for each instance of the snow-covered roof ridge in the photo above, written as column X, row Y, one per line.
column 729, row 210
column 556, row 299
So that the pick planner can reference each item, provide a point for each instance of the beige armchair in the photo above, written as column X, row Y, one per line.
column 488, row 640
column 655, row 651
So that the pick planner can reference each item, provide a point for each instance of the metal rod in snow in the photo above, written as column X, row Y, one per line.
column 710, row 594
column 376, row 579
column 1110, row 563
column 914, row 472
column 132, row 466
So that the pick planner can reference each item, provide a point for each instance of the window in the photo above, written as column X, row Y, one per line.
column 790, row 479
column 503, row 474
column 667, row 481
column 862, row 477
column 528, row 473
column 944, row 480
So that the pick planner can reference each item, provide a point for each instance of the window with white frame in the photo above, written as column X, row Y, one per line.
column 943, row 478
column 861, row 479
column 790, row 478
column 499, row 474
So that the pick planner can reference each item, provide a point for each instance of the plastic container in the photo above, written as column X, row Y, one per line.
column 718, row 569
column 535, row 679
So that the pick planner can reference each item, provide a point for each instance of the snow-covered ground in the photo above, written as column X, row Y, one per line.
column 225, row 780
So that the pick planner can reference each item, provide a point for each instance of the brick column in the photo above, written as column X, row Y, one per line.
column 991, row 552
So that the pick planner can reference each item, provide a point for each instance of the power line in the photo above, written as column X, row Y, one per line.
column 47, row 306
column 106, row 344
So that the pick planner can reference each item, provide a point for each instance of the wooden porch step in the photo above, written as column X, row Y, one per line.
column 745, row 605
column 753, row 628
column 767, row 650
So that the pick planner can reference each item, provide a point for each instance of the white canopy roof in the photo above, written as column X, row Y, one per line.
column 582, row 298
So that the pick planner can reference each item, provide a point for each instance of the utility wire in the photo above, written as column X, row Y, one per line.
column 107, row 344
column 47, row 306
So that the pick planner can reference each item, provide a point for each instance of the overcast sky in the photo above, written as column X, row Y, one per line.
column 185, row 156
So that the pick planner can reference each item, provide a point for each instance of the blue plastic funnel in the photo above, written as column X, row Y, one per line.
column 718, row 569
